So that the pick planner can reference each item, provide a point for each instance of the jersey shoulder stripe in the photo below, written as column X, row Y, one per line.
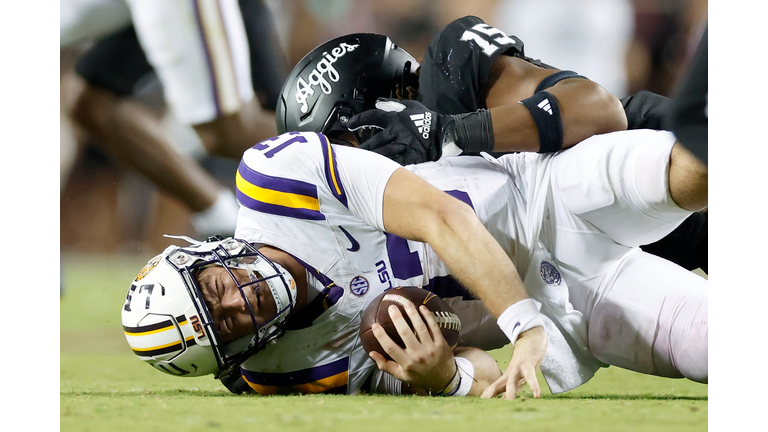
column 331, row 168
column 277, row 195
column 329, row 378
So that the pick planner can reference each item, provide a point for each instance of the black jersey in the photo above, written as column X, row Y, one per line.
column 452, row 80
column 457, row 63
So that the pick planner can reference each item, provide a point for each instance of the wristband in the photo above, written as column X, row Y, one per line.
column 462, row 380
column 520, row 317
column 545, row 111
column 466, row 376
column 453, row 385
column 471, row 132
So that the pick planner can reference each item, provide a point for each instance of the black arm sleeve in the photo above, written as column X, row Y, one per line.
column 647, row 110
column 689, row 109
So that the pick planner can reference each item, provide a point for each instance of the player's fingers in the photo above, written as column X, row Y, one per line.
column 403, row 329
column 495, row 389
column 533, row 383
column 434, row 328
column 513, row 386
column 384, row 146
column 382, row 363
column 417, row 322
column 387, row 344
column 372, row 117
column 390, row 105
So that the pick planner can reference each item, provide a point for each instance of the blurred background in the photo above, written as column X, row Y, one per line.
column 625, row 45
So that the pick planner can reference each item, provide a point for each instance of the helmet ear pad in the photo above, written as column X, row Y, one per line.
column 341, row 78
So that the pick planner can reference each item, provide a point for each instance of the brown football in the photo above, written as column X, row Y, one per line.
column 377, row 312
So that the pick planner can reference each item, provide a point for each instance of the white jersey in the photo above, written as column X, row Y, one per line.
column 322, row 203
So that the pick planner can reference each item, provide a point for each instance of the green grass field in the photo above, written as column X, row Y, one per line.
column 104, row 387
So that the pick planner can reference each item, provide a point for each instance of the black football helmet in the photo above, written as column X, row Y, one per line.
column 341, row 78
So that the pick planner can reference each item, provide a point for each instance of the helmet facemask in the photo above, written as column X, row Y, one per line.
column 230, row 254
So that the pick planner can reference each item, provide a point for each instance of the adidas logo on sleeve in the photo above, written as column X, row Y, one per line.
column 545, row 106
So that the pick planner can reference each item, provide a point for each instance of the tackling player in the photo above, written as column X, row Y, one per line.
column 475, row 90
column 354, row 223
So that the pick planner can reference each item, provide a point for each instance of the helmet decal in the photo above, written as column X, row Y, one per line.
column 340, row 78
column 304, row 89
column 148, row 268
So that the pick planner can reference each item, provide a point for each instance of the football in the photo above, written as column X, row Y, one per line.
column 377, row 312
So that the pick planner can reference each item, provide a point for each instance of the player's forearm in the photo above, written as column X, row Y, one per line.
column 476, row 373
column 586, row 109
column 476, row 259
column 415, row 210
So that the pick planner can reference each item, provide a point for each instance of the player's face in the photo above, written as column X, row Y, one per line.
column 227, row 305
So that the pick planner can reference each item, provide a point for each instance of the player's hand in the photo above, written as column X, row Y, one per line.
column 526, row 358
column 427, row 360
column 404, row 131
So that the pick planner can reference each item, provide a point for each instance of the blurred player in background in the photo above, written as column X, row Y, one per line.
column 201, row 54
column 476, row 90
column 351, row 223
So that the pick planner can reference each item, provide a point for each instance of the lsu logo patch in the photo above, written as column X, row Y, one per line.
column 148, row 268
column 549, row 273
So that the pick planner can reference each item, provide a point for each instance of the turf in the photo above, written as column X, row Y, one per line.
column 103, row 387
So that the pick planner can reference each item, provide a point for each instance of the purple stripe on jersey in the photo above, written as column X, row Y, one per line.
column 332, row 171
column 296, row 213
column 461, row 196
column 447, row 286
column 325, row 280
column 305, row 317
column 201, row 30
column 304, row 376
column 278, row 184
column 405, row 263
column 281, row 185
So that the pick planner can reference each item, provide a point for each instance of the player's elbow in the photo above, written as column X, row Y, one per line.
column 608, row 110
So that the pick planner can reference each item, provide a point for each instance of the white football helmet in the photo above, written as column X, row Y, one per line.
column 166, row 320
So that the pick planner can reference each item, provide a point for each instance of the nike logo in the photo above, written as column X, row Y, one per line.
column 355, row 245
column 516, row 325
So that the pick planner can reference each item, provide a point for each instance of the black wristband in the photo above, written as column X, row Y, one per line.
column 472, row 132
column 545, row 111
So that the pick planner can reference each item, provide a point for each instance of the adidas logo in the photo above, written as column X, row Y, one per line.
column 423, row 123
column 545, row 106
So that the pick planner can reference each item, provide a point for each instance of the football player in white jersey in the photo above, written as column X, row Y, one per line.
column 216, row 306
column 547, row 242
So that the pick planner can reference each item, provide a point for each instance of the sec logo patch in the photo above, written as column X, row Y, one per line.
column 359, row 285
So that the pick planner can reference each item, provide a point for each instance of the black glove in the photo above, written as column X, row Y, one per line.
column 404, row 131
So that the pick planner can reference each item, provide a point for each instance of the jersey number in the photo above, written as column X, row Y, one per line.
column 271, row 146
column 488, row 38
column 405, row 262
